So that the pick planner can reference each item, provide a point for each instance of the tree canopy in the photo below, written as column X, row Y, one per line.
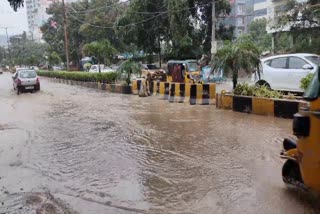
column 257, row 30
column 15, row 4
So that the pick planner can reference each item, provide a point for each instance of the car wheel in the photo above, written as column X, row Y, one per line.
column 263, row 83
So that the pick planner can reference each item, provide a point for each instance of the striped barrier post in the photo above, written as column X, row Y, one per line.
column 182, row 92
column 203, row 94
column 167, row 90
column 172, row 92
column 177, row 92
column 136, row 84
column 193, row 95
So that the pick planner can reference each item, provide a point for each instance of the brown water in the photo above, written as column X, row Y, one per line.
column 69, row 149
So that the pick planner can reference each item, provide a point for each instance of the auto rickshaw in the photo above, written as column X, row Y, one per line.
column 302, row 168
column 184, row 71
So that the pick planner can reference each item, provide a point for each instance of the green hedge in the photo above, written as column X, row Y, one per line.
column 81, row 76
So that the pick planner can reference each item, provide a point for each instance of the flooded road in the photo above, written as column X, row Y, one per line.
column 69, row 149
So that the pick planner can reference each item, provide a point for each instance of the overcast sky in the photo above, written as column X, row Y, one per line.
column 9, row 18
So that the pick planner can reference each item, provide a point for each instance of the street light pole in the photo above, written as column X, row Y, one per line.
column 66, row 41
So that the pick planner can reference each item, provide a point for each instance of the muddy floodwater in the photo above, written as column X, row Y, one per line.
column 69, row 149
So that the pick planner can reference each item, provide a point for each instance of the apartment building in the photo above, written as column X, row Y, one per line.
column 237, row 17
column 37, row 16
column 261, row 8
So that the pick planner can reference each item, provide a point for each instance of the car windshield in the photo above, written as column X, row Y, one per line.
column 152, row 67
column 314, row 59
column 27, row 74
column 192, row 66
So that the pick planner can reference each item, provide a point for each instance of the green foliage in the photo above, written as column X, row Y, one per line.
column 127, row 68
column 245, row 89
column 26, row 52
column 15, row 4
column 305, row 82
column 54, row 58
column 239, row 55
column 81, row 76
column 171, row 25
column 103, row 50
column 257, row 30
column 302, row 14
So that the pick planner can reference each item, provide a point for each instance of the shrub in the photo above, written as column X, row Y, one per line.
column 245, row 89
column 305, row 82
column 81, row 76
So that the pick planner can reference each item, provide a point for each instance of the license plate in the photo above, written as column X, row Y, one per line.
column 29, row 87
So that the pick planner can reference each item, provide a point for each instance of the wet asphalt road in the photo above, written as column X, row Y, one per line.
column 69, row 149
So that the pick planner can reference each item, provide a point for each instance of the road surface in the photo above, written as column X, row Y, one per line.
column 69, row 149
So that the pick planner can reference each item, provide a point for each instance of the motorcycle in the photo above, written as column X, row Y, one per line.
column 302, row 168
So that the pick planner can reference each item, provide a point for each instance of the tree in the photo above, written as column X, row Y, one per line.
column 239, row 55
column 25, row 51
column 301, row 19
column 54, row 59
column 128, row 68
column 15, row 4
column 102, row 50
column 152, row 27
column 257, row 30
column 202, row 11
column 299, row 14
column 178, row 24
column 53, row 32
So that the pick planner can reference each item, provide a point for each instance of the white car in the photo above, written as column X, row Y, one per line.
column 284, row 72
column 103, row 69
column 25, row 80
column 95, row 68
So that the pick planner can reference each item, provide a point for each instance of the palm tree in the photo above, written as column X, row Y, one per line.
column 128, row 68
column 241, row 54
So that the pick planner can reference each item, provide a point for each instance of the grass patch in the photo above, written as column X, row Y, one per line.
column 81, row 76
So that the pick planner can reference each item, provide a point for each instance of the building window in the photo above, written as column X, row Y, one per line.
column 240, row 32
column 259, row 1
column 240, row 9
column 240, row 22
column 261, row 12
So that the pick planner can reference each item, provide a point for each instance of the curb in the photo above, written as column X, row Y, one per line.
column 114, row 88
column 261, row 106
column 194, row 94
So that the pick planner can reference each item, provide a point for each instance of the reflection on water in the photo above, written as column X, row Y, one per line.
column 145, row 155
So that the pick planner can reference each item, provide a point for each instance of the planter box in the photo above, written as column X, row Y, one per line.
column 262, row 106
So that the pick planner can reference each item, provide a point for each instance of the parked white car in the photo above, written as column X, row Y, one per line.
column 95, row 68
column 284, row 72
column 103, row 69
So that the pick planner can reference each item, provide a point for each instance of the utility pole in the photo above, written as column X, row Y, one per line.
column 213, row 37
column 66, row 41
column 8, row 43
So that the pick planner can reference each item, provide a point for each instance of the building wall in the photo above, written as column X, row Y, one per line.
column 37, row 16
column 261, row 8
column 237, row 17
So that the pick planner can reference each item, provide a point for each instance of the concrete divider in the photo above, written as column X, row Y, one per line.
column 257, row 105
column 203, row 94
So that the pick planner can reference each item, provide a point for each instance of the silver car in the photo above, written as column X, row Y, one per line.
column 25, row 80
